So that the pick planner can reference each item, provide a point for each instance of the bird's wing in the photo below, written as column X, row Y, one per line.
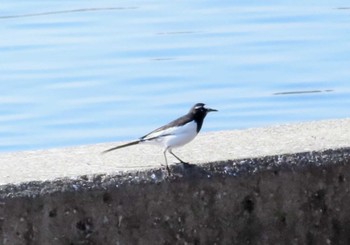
column 168, row 129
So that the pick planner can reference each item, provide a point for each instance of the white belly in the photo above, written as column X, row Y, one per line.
column 175, row 137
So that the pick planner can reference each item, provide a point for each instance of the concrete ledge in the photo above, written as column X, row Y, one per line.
column 72, row 162
column 278, row 185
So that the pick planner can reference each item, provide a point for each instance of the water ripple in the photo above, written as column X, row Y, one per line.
column 92, row 73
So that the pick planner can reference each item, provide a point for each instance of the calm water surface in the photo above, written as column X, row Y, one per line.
column 85, row 72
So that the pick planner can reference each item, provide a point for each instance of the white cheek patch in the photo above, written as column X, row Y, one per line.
column 198, row 107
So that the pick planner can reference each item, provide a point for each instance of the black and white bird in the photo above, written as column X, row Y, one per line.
column 174, row 134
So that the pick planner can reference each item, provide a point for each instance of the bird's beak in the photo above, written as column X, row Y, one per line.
column 210, row 109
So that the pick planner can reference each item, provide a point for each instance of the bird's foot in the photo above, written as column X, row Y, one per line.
column 168, row 169
column 187, row 165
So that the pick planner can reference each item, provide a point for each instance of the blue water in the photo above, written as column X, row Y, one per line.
column 86, row 72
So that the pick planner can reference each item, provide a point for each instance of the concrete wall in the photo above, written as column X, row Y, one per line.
column 300, row 198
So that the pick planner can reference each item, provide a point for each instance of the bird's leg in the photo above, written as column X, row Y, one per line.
column 185, row 164
column 166, row 162
column 172, row 153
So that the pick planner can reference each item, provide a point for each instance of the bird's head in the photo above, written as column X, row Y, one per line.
column 199, row 110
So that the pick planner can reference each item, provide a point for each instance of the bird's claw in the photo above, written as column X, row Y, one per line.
column 187, row 165
column 168, row 169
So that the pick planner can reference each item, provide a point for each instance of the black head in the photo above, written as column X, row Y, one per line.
column 199, row 111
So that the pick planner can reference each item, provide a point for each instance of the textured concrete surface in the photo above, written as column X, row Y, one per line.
column 286, row 199
column 207, row 147
column 279, row 185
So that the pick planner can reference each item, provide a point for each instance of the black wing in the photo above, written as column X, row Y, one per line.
column 176, row 123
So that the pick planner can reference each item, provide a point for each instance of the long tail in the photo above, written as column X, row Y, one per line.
column 122, row 146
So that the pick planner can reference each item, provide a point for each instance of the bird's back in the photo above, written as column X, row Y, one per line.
column 168, row 128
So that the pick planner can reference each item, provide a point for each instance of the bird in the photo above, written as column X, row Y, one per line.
column 174, row 134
